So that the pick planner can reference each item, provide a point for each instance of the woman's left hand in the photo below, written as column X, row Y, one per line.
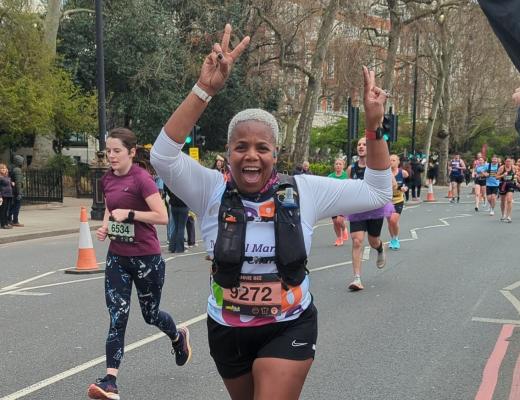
column 119, row 214
column 374, row 101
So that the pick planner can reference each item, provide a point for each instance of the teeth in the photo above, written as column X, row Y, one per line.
column 251, row 169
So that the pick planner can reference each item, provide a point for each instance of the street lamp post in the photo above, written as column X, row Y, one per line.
column 99, row 166
column 414, row 109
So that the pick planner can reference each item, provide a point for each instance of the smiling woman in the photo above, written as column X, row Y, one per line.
column 257, row 228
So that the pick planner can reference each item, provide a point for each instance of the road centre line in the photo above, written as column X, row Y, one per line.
column 89, row 364
column 27, row 280
column 51, row 284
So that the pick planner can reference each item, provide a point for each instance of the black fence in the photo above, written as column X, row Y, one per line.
column 83, row 181
column 43, row 186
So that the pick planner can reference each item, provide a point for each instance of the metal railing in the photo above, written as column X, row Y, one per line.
column 43, row 186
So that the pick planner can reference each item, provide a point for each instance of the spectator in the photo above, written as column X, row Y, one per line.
column 18, row 181
column 302, row 169
column 415, row 179
column 433, row 172
column 6, row 196
column 179, row 212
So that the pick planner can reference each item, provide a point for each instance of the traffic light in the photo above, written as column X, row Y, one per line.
column 390, row 126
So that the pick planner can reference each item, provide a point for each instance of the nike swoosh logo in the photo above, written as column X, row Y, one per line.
column 298, row 344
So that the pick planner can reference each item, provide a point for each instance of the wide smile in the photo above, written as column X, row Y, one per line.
column 251, row 175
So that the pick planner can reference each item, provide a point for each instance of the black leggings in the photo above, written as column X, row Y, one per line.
column 414, row 188
column 147, row 273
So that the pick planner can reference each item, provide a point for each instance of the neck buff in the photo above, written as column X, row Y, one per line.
column 265, row 193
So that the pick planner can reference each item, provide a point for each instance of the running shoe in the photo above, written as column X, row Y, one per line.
column 391, row 244
column 491, row 212
column 182, row 348
column 104, row 388
column 338, row 242
column 381, row 258
column 356, row 284
column 503, row 219
column 345, row 235
column 397, row 244
column 476, row 209
column 458, row 199
column 508, row 220
column 452, row 201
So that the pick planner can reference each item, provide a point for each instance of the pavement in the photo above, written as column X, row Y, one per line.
column 54, row 219
column 51, row 219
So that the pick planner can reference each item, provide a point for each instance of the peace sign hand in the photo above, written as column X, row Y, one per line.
column 374, row 101
column 218, row 64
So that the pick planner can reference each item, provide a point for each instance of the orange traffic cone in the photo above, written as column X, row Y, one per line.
column 450, row 194
column 430, row 196
column 86, row 263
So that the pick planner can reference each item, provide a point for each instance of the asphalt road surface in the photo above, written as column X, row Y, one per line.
column 440, row 321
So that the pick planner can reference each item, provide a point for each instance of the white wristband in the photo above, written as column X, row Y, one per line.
column 201, row 93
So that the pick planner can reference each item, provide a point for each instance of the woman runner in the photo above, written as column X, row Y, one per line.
column 262, row 324
column 480, row 180
column 133, row 206
column 508, row 177
column 399, row 188
column 338, row 221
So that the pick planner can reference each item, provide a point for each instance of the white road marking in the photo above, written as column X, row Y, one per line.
column 513, row 286
column 493, row 321
column 29, row 293
column 414, row 234
column 512, row 298
column 51, row 284
column 91, row 363
column 330, row 266
column 15, row 285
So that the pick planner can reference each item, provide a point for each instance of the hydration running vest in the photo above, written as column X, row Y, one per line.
column 290, row 253
column 357, row 172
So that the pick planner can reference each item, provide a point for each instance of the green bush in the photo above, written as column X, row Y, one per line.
column 62, row 163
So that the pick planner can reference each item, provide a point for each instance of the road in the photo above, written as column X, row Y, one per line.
column 440, row 321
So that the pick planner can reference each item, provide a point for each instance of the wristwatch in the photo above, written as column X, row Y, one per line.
column 201, row 93
column 374, row 135
column 131, row 216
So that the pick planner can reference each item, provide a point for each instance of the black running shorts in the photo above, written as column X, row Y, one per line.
column 480, row 182
column 235, row 349
column 457, row 178
column 398, row 208
column 371, row 226
column 490, row 190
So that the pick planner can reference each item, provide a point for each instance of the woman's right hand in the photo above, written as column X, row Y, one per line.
column 102, row 233
column 218, row 64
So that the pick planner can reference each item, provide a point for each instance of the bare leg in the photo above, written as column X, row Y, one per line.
column 357, row 248
column 279, row 379
column 241, row 388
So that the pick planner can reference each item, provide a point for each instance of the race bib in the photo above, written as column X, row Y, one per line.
column 121, row 232
column 257, row 296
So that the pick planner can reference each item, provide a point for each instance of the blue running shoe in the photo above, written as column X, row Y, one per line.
column 397, row 244
column 104, row 389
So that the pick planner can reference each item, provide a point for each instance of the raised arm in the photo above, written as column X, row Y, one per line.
column 374, row 100
column 213, row 76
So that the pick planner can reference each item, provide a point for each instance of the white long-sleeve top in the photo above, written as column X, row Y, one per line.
column 320, row 197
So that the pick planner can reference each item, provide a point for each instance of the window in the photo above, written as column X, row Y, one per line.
column 330, row 107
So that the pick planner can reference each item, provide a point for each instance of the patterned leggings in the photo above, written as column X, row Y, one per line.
column 147, row 273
